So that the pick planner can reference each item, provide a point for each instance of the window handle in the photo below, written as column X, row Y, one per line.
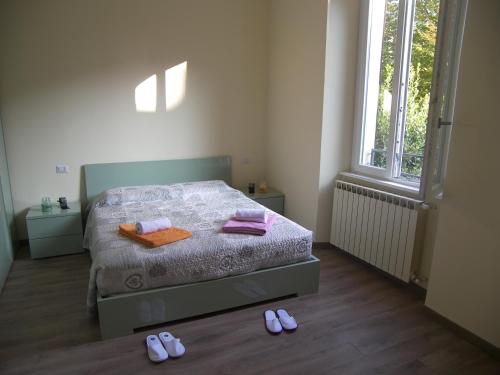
column 444, row 123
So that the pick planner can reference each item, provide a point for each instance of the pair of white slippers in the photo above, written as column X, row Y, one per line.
column 163, row 346
column 278, row 321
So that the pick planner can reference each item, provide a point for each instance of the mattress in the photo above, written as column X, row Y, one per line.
column 120, row 265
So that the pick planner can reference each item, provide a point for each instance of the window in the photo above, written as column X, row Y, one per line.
column 446, row 84
column 395, row 83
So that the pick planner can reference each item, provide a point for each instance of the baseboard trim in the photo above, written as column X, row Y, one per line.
column 465, row 333
column 322, row 245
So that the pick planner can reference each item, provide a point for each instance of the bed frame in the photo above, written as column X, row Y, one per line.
column 119, row 315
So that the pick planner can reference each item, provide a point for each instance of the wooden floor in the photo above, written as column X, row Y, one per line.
column 359, row 323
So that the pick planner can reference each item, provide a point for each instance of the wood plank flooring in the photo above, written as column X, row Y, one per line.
column 360, row 322
column 42, row 305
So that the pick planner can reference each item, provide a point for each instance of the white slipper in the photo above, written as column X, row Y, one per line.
column 288, row 322
column 156, row 351
column 272, row 323
column 172, row 344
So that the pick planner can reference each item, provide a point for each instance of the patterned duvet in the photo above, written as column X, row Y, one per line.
column 120, row 265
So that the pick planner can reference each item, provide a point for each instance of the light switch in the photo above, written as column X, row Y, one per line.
column 62, row 168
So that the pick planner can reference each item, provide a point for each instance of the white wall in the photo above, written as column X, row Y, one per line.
column 296, row 80
column 338, row 104
column 69, row 70
column 312, row 52
column 464, row 283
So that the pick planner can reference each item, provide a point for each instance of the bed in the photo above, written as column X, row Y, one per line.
column 132, row 286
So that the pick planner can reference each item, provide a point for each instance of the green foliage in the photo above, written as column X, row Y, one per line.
column 417, row 106
column 389, row 44
column 424, row 41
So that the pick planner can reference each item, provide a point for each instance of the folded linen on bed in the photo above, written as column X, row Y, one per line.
column 154, row 239
column 249, row 227
column 150, row 226
column 251, row 214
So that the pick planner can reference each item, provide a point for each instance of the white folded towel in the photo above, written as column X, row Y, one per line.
column 251, row 214
column 150, row 226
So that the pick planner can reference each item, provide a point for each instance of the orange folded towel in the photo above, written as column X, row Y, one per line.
column 154, row 239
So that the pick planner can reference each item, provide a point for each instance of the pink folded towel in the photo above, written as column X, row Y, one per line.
column 262, row 220
column 249, row 227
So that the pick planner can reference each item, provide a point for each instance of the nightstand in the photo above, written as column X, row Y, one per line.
column 273, row 199
column 53, row 233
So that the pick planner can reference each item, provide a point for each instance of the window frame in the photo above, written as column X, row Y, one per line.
column 429, row 186
column 425, row 186
column 401, row 76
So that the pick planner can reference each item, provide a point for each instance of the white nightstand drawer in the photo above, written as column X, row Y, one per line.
column 54, row 226
column 272, row 199
column 53, row 246
column 276, row 204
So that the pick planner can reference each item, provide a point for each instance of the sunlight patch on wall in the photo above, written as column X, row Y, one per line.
column 175, row 85
column 145, row 95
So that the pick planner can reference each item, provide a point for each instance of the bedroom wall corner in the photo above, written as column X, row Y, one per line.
column 338, row 105
column 297, row 35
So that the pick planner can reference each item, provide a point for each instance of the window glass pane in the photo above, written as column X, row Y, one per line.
column 450, row 56
column 419, row 87
column 382, row 46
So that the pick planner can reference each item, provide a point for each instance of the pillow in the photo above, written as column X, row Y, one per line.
column 128, row 194
column 201, row 187
column 147, row 193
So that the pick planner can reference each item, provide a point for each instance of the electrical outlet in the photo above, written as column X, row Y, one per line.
column 62, row 168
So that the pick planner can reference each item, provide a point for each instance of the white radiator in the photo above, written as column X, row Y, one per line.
column 375, row 226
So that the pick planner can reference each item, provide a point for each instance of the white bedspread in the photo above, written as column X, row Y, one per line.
column 120, row 265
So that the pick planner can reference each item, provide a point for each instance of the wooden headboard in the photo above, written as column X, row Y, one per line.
column 100, row 177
